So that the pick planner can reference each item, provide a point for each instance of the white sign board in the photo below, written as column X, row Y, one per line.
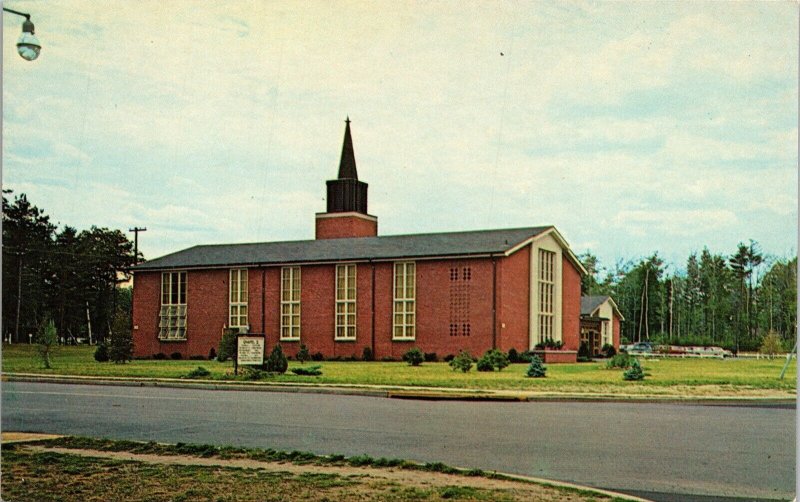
column 250, row 350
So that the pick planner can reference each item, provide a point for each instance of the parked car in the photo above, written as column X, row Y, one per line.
column 642, row 348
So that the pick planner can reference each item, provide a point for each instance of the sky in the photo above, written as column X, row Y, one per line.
column 633, row 127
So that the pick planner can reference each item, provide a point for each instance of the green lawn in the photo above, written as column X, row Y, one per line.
column 667, row 377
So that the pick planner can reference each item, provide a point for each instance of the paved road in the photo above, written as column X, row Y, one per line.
column 668, row 451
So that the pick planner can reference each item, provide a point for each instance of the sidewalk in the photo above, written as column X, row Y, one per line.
column 394, row 391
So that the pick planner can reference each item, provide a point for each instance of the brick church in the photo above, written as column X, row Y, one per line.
column 350, row 288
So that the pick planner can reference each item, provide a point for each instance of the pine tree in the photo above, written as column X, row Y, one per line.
column 277, row 362
column 635, row 373
column 536, row 368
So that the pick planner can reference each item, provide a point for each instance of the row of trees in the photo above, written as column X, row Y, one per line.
column 66, row 275
column 732, row 300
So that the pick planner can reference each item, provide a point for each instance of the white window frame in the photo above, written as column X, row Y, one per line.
column 172, row 322
column 547, row 288
column 237, row 298
column 345, row 313
column 404, row 304
column 290, row 303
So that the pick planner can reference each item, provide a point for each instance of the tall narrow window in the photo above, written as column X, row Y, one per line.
column 404, row 301
column 172, row 316
column 238, row 298
column 546, row 293
column 290, row 303
column 345, row 302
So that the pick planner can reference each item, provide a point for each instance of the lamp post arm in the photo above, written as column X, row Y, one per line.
column 26, row 16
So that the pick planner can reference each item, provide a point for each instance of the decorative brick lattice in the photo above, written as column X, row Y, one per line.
column 460, row 288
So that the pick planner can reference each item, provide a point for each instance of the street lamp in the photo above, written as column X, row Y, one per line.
column 27, row 45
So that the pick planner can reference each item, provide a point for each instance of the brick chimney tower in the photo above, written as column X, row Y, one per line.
column 347, row 200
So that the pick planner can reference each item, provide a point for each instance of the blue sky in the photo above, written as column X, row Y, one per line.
column 631, row 126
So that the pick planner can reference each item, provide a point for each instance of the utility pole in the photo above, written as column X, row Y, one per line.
column 136, row 231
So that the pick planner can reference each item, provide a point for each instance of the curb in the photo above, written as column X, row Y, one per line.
column 422, row 393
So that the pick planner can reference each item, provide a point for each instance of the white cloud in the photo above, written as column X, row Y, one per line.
column 222, row 123
column 673, row 223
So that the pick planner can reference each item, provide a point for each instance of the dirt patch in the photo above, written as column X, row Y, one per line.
column 18, row 437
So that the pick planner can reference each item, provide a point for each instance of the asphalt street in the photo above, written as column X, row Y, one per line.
column 662, row 451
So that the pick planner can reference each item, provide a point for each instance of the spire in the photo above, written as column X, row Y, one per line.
column 346, row 193
column 347, row 165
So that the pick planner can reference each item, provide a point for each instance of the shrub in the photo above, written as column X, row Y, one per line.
column 583, row 353
column 47, row 337
column 485, row 363
column 498, row 359
column 160, row 356
column 367, row 355
column 634, row 373
column 431, row 357
column 536, row 368
column 414, row 357
column 463, row 361
column 212, row 354
column 771, row 344
column 448, row 358
column 609, row 350
column 253, row 373
column 302, row 354
column 388, row 359
column 176, row 356
column 310, row 371
column 513, row 355
column 622, row 361
column 276, row 363
column 317, row 356
column 199, row 372
column 551, row 344
column 491, row 360
column 227, row 345
column 197, row 357
column 526, row 356
column 120, row 347
column 101, row 353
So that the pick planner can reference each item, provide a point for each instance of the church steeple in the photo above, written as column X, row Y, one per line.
column 347, row 194
column 347, row 164
column 347, row 215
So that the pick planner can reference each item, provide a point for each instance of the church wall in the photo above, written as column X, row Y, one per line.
column 570, row 305
column 343, row 225
column 464, row 303
column 514, row 301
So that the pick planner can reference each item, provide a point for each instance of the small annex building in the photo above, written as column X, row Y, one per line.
column 350, row 288
column 600, row 323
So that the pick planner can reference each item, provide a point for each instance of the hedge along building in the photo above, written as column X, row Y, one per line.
column 350, row 289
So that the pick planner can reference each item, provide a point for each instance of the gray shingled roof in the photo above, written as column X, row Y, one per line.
column 481, row 242
column 590, row 303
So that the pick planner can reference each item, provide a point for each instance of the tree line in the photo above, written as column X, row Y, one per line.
column 730, row 300
column 64, row 275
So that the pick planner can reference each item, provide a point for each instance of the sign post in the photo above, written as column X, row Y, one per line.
column 249, row 350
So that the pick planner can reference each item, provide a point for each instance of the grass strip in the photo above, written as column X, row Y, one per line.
column 668, row 377
column 271, row 455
